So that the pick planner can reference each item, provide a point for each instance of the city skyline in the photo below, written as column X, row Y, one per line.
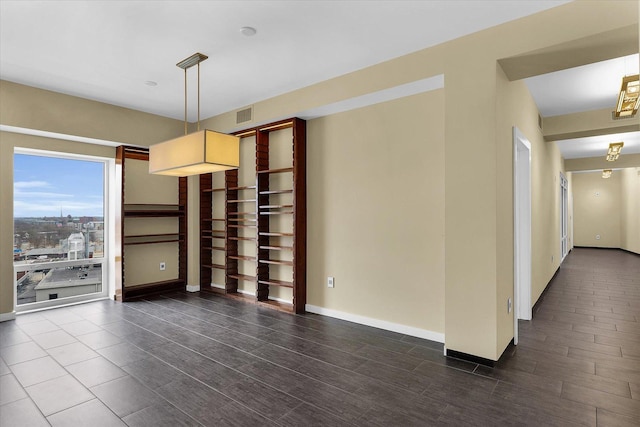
column 45, row 186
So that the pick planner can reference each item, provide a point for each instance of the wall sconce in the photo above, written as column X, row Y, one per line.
column 606, row 173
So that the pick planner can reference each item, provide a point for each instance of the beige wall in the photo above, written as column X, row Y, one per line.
column 546, row 165
column 376, row 211
column 630, row 209
column 474, row 185
column 596, row 204
column 516, row 107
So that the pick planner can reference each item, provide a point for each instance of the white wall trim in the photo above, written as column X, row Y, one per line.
column 7, row 316
column 377, row 323
column 193, row 288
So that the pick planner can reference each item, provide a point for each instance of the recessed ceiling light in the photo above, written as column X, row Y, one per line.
column 248, row 31
column 151, row 83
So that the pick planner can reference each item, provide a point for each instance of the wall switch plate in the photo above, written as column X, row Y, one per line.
column 509, row 305
column 163, row 266
column 330, row 282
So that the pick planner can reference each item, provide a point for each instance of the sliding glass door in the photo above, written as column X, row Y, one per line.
column 61, row 228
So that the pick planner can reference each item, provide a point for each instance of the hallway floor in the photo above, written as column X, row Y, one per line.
column 202, row 360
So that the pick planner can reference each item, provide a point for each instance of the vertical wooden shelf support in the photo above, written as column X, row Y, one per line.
column 262, row 185
column 231, row 242
column 206, row 243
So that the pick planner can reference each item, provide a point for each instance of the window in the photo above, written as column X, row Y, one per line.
column 61, row 227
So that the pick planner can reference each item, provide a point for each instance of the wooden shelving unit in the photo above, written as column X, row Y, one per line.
column 273, row 210
column 150, row 212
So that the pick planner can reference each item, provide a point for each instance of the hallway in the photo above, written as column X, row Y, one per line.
column 199, row 359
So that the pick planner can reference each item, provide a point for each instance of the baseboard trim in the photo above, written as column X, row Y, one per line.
column 193, row 288
column 536, row 306
column 7, row 316
column 377, row 323
column 470, row 358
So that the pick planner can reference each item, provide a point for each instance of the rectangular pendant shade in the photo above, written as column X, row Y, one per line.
column 194, row 154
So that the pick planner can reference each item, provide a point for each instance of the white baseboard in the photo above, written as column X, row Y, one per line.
column 377, row 323
column 193, row 288
column 7, row 316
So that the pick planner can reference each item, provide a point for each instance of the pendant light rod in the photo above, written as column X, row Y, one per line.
column 185, row 64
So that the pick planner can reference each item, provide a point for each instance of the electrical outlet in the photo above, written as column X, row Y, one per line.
column 509, row 305
column 163, row 266
column 330, row 283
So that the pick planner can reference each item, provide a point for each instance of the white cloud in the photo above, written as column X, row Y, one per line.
column 39, row 194
column 31, row 184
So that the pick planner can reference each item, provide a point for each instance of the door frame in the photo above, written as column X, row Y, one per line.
column 521, row 229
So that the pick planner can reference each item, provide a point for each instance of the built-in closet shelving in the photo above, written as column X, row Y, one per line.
column 263, row 231
column 165, row 224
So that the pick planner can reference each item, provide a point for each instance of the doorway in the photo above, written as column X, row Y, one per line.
column 522, row 229
column 62, row 228
column 564, row 217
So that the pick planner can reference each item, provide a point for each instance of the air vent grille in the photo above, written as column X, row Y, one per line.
column 244, row 115
column 540, row 121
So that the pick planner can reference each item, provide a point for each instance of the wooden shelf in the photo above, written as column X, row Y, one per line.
column 152, row 210
column 243, row 258
column 152, row 213
column 214, row 248
column 275, row 206
column 277, row 248
column 275, row 282
column 270, row 216
column 250, row 239
column 244, row 277
column 276, row 192
column 217, row 266
column 281, row 170
column 242, row 201
column 277, row 213
column 275, row 261
column 142, row 239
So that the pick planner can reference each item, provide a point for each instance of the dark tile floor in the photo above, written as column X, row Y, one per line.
column 198, row 359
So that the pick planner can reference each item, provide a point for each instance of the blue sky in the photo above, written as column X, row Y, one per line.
column 44, row 185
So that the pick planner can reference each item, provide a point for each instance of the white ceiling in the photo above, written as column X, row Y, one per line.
column 590, row 87
column 107, row 50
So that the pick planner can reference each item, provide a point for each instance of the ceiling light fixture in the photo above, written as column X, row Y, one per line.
column 248, row 31
column 200, row 152
column 606, row 173
column 628, row 98
column 614, row 151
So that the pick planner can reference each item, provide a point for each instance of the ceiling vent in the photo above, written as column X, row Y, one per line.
column 244, row 115
column 540, row 121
